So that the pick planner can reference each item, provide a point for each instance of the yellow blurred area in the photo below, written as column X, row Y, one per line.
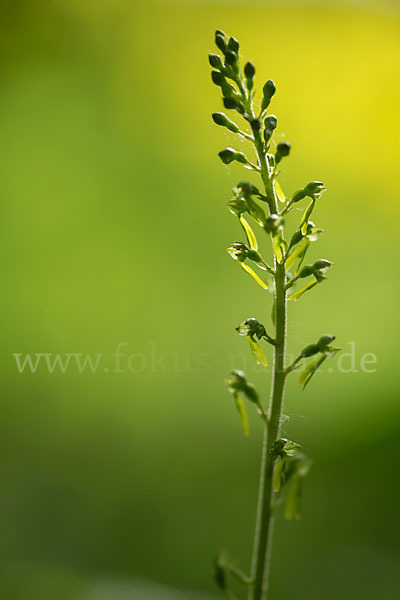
column 337, row 70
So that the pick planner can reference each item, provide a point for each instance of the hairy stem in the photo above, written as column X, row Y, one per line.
column 264, row 525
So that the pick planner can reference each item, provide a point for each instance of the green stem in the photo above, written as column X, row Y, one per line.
column 264, row 525
column 265, row 517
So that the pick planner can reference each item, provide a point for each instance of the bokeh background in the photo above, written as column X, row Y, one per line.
column 114, row 225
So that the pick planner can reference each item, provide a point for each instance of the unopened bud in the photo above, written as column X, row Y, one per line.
column 317, row 269
column 222, row 120
column 220, row 40
column 320, row 267
column 282, row 149
column 324, row 341
column 233, row 45
column 270, row 124
column 233, row 103
column 231, row 58
column 227, row 155
column 249, row 72
column 247, row 188
column 320, row 346
column 269, row 90
column 321, row 264
column 218, row 78
column 314, row 190
column 215, row 61
column 227, row 89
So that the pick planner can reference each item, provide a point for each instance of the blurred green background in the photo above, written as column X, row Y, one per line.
column 114, row 229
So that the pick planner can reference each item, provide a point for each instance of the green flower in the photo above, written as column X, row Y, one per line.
column 313, row 190
column 253, row 328
column 284, row 447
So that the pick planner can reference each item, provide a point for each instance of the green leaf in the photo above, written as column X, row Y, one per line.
column 243, row 414
column 250, row 271
column 251, row 238
column 258, row 352
column 310, row 370
column 279, row 191
column 303, row 290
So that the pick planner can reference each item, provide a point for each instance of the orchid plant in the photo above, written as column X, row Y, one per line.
column 283, row 465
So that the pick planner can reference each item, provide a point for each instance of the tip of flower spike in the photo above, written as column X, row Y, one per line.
column 220, row 40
